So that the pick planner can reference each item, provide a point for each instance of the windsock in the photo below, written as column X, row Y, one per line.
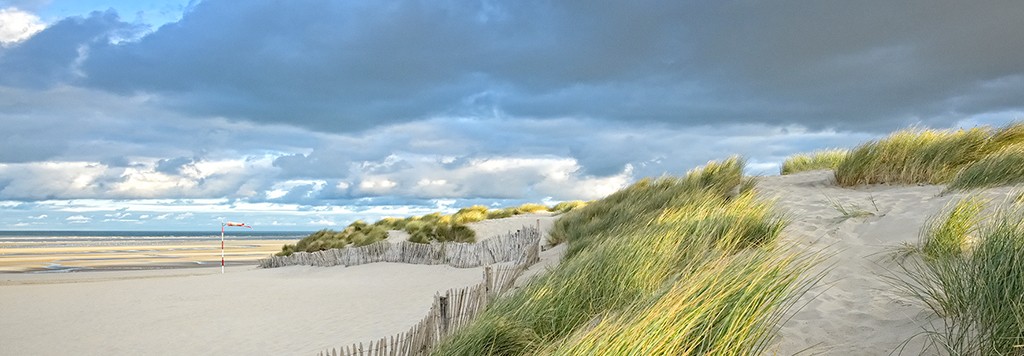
column 229, row 223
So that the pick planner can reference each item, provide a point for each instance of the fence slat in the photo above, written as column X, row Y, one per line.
column 453, row 310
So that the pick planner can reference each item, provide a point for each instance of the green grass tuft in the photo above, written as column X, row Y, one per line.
column 530, row 208
column 358, row 233
column 727, row 306
column 913, row 156
column 426, row 231
column 824, row 159
column 950, row 234
column 978, row 287
column 977, row 157
column 849, row 211
column 567, row 206
column 1005, row 167
column 501, row 213
column 471, row 214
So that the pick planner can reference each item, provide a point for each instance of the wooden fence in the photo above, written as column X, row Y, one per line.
column 450, row 312
column 504, row 248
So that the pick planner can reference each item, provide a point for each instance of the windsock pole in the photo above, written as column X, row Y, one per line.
column 222, row 225
column 222, row 248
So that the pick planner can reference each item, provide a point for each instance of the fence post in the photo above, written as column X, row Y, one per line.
column 488, row 279
column 443, row 309
column 488, row 285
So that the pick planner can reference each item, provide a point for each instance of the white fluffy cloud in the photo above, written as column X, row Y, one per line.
column 491, row 177
column 78, row 219
column 17, row 25
column 140, row 180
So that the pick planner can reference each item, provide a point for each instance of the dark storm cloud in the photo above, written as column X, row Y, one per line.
column 348, row 66
column 854, row 61
column 51, row 56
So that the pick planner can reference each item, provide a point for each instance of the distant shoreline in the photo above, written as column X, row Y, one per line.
column 62, row 254
column 49, row 235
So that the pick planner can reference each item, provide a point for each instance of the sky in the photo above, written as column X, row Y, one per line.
column 295, row 115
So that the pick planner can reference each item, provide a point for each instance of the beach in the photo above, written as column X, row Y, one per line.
column 124, row 307
column 65, row 256
column 281, row 311
column 303, row 310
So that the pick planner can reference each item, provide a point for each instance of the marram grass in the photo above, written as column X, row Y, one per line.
column 951, row 233
column 823, row 159
column 643, row 201
column 916, row 156
column 698, row 244
column 566, row 206
column 730, row 305
column 1005, row 167
column 912, row 156
column 979, row 292
column 422, row 229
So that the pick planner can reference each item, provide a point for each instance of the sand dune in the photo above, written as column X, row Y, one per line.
column 854, row 310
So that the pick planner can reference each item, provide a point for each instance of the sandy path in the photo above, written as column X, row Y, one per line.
column 857, row 311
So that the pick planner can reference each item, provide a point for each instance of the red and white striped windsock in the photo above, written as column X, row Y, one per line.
column 229, row 223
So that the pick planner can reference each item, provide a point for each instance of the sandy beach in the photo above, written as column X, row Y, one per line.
column 280, row 311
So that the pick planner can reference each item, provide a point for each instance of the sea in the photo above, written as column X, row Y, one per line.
column 48, row 251
column 78, row 238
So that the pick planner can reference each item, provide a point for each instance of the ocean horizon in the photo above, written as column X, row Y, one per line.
column 71, row 251
column 64, row 236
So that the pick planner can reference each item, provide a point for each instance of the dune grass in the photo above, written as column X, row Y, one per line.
column 850, row 211
column 644, row 201
column 1005, row 167
column 358, row 233
column 694, row 252
column 469, row 215
column 567, row 206
column 425, row 231
column 728, row 306
column 916, row 156
column 949, row 235
column 823, row 159
column 434, row 227
column 973, row 277
column 912, row 156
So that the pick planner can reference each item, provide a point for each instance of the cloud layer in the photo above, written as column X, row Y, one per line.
column 359, row 105
column 345, row 66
